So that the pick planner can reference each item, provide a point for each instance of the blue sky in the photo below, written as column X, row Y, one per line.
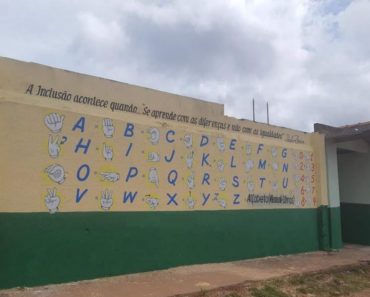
column 310, row 59
column 334, row 6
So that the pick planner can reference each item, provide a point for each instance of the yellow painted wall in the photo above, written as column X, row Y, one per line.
column 171, row 153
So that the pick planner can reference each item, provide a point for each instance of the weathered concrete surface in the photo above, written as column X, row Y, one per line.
column 188, row 279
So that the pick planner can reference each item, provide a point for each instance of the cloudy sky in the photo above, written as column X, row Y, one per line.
column 309, row 58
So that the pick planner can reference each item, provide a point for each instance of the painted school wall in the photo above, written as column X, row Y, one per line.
column 354, row 177
column 142, row 180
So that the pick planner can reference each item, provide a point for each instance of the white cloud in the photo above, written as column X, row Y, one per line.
column 96, row 31
column 309, row 59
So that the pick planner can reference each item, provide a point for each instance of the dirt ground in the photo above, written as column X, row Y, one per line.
column 200, row 278
column 347, row 280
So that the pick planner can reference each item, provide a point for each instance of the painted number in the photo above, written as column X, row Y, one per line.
column 313, row 179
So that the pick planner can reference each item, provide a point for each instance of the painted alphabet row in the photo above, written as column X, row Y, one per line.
column 111, row 165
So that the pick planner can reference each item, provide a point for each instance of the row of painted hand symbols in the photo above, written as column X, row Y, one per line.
column 54, row 122
column 190, row 202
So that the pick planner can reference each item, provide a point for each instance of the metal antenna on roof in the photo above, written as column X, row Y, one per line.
column 268, row 115
column 254, row 115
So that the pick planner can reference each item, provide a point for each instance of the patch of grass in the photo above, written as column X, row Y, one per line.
column 201, row 293
column 332, row 283
column 233, row 295
column 297, row 280
column 268, row 291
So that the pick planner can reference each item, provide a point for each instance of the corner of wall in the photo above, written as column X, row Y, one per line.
column 329, row 221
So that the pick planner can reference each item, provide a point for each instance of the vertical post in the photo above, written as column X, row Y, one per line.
column 268, row 116
column 254, row 116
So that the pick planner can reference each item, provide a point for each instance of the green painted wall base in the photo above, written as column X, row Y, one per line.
column 323, row 225
column 39, row 248
column 335, row 231
column 356, row 223
column 330, row 233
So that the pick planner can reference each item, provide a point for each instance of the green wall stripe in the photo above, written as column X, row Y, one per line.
column 336, row 242
column 356, row 223
column 39, row 248
column 323, row 228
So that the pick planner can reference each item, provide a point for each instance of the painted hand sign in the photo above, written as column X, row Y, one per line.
column 54, row 121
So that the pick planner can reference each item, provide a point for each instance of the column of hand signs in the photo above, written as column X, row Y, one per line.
column 106, row 197
column 55, row 171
